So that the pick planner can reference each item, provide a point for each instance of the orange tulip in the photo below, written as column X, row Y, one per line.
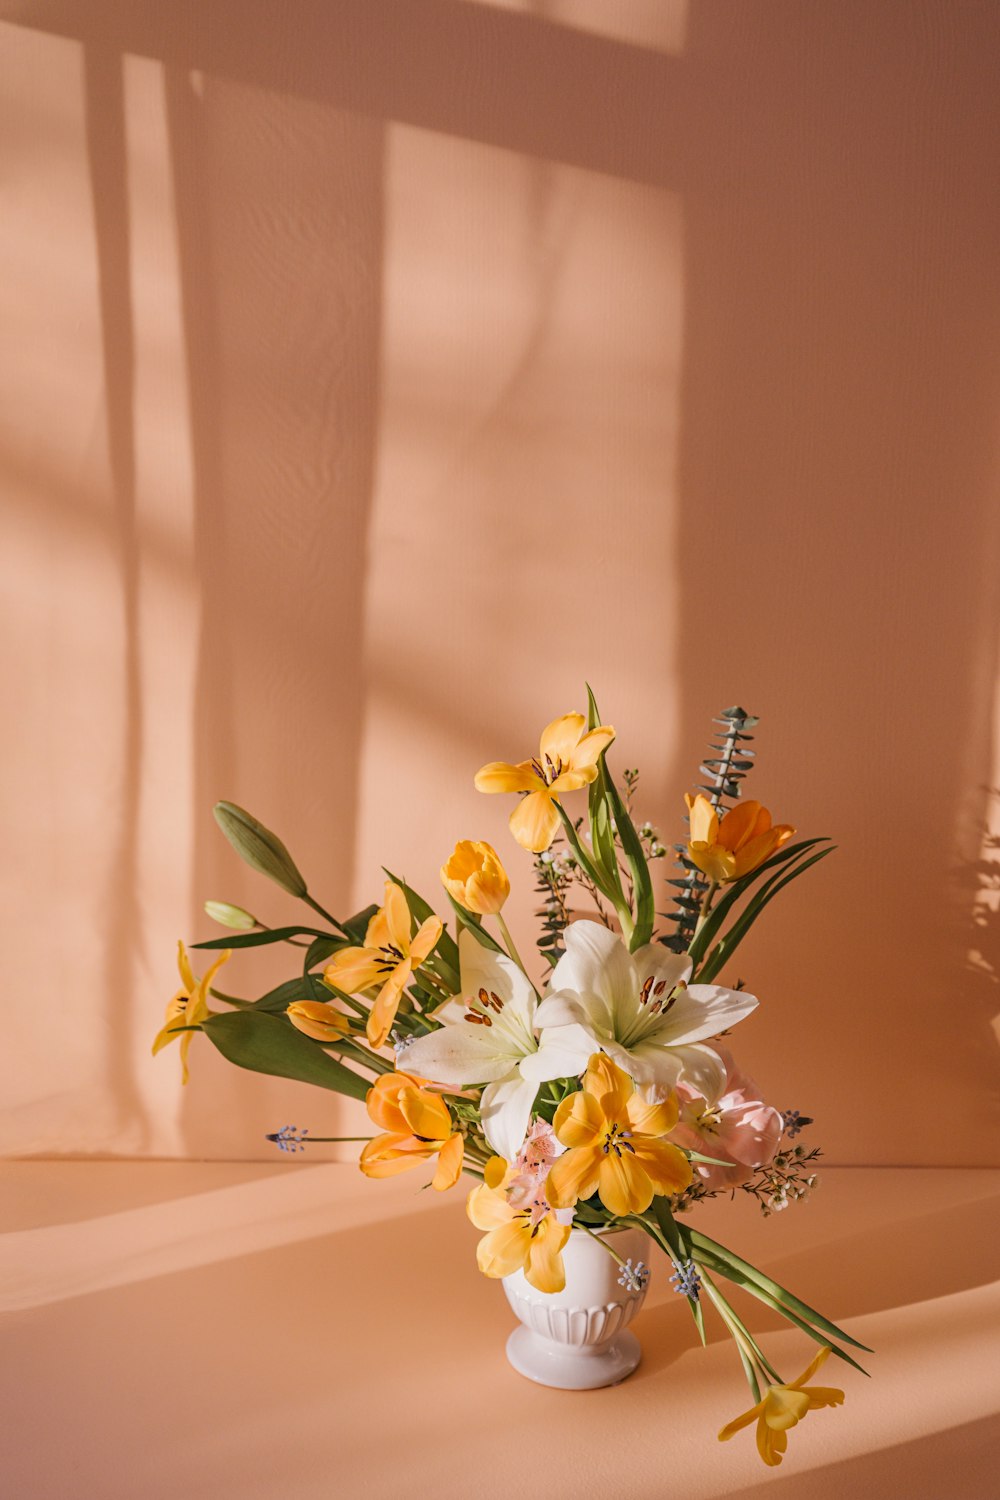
column 744, row 838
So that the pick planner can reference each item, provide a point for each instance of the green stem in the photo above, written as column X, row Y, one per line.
column 616, row 898
column 326, row 915
column 595, row 1235
column 706, row 906
column 511, row 949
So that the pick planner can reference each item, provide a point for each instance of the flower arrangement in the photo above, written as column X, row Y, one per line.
column 597, row 1100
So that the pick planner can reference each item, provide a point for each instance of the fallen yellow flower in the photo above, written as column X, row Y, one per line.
column 616, row 1145
column 567, row 760
column 388, row 958
column 417, row 1126
column 189, row 1007
column 781, row 1407
column 739, row 843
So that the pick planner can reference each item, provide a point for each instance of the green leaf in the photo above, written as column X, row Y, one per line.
column 730, row 941
column 261, row 939
column 642, row 883
column 267, row 1044
column 357, row 926
column 320, row 949
column 724, row 905
column 277, row 1001
column 474, row 924
column 782, row 1298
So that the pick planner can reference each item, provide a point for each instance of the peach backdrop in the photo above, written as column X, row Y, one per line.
column 376, row 372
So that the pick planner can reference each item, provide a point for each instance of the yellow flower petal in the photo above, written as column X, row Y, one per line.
column 579, row 1120
column 535, row 821
column 665, row 1165
column 817, row 1362
column 703, row 820
column 388, row 1155
column 353, row 969
column 317, row 1019
column 424, row 939
column 742, row 822
column 382, row 1101
column 608, row 1083
column 397, row 917
column 738, row 1423
column 504, row 1250
column 545, row 1270
column 449, row 1167
column 784, row 1407
column 495, row 1172
column 487, row 1208
column 652, row 1119
column 771, row 1445
column 425, row 1114
column 574, row 779
column 623, row 1184
column 590, row 749
column 501, row 776
column 184, row 968
column 717, row 863
column 383, row 1012
column 573, row 1175
column 560, row 738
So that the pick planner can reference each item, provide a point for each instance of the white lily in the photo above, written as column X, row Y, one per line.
column 640, row 1010
column 487, row 1036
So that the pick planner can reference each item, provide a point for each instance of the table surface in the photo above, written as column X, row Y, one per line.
column 186, row 1330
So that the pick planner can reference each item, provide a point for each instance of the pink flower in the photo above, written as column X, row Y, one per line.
column 737, row 1127
column 526, row 1188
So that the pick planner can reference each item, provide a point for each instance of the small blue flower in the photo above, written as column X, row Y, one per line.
column 289, row 1138
column 634, row 1277
column 686, row 1279
column 795, row 1121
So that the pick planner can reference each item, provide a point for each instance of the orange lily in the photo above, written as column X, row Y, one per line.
column 781, row 1408
column 517, row 1239
column 388, row 958
column 417, row 1126
column 616, row 1145
column 189, row 1007
column 567, row 760
column 739, row 843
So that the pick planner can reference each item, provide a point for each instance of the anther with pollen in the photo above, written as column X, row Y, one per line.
column 470, row 1015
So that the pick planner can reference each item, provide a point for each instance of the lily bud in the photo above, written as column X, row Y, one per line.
column 475, row 878
column 318, row 1020
column 230, row 916
column 262, row 850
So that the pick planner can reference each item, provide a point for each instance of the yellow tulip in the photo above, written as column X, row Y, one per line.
column 781, row 1407
column 417, row 1126
column 739, row 843
column 189, row 1007
column 567, row 760
column 616, row 1145
column 317, row 1019
column 517, row 1239
column 475, row 878
column 388, row 958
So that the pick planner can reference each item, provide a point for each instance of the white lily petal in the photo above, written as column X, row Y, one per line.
column 657, row 962
column 598, row 969
column 506, row 1111
column 563, row 1052
column 702, row 1011
column 662, row 1068
column 460, row 1055
column 562, row 1009
column 484, row 968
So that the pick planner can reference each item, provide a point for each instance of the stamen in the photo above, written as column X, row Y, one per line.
column 644, row 992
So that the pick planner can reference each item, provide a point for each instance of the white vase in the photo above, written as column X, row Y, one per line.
column 576, row 1339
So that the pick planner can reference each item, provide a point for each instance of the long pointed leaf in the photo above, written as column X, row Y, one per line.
column 267, row 1044
column 730, row 941
column 642, row 884
column 700, row 944
column 261, row 939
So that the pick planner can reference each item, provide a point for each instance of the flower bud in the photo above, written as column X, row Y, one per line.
column 475, row 878
column 262, row 850
column 230, row 916
column 318, row 1020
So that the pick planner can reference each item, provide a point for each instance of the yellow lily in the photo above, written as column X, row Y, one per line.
column 319, row 1020
column 517, row 1239
column 567, row 760
column 616, row 1145
column 388, row 958
column 417, row 1126
column 189, row 1007
column 739, row 843
column 781, row 1407
column 475, row 877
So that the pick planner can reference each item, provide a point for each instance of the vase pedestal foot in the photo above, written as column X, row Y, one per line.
column 570, row 1368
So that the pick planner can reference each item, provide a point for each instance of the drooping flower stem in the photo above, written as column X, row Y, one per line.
column 326, row 915
column 755, row 1366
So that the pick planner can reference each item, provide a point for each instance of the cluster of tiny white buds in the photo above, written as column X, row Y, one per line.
column 289, row 1138
column 686, row 1279
column 634, row 1277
